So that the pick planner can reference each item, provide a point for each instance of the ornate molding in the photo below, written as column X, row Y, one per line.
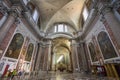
column 3, row 9
column 116, row 4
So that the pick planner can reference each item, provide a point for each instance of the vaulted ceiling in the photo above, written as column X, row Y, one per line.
column 60, row 11
column 57, row 11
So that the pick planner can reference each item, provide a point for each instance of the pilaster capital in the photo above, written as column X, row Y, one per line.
column 13, row 13
column 3, row 9
column 116, row 4
column 105, row 9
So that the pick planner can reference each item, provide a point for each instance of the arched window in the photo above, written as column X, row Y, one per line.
column 106, row 46
column 85, row 13
column 34, row 11
column 35, row 15
column 92, row 52
column 15, row 46
column 29, row 52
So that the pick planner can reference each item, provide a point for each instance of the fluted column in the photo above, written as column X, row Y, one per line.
column 6, row 26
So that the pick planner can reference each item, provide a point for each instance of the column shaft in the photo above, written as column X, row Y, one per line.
column 6, row 26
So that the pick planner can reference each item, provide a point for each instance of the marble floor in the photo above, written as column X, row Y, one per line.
column 71, row 76
column 62, row 76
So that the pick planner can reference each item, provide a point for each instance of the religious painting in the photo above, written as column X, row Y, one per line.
column 29, row 52
column 92, row 52
column 106, row 46
column 15, row 46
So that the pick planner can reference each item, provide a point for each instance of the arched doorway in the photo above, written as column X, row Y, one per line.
column 61, row 59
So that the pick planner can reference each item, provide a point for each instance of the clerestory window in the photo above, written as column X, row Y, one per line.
column 60, row 28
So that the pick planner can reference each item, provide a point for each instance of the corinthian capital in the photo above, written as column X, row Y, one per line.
column 13, row 13
column 105, row 9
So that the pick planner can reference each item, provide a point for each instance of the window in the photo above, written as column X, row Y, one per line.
column 26, row 1
column 85, row 13
column 61, row 28
column 66, row 28
column 35, row 15
column 55, row 29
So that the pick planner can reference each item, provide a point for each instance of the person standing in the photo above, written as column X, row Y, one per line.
column 14, row 73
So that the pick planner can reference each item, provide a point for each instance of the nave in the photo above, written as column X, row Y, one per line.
column 81, row 37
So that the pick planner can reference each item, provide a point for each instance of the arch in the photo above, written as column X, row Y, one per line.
column 15, row 46
column 29, row 52
column 106, row 46
column 92, row 52
column 60, row 34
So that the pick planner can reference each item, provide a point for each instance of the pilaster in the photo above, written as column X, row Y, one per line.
column 6, row 26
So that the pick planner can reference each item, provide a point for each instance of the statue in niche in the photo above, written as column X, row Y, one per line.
column 15, row 46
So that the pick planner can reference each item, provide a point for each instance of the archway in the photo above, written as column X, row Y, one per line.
column 61, row 58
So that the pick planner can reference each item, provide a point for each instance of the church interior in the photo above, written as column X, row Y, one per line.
column 60, row 39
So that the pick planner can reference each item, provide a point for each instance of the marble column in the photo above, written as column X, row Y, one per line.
column 74, row 56
column 6, row 26
column 38, row 58
column 79, row 57
column 47, row 56
column 45, row 65
column 84, row 66
column 51, row 62
column 33, row 63
column 112, row 25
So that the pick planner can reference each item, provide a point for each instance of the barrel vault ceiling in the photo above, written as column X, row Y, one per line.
column 57, row 11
